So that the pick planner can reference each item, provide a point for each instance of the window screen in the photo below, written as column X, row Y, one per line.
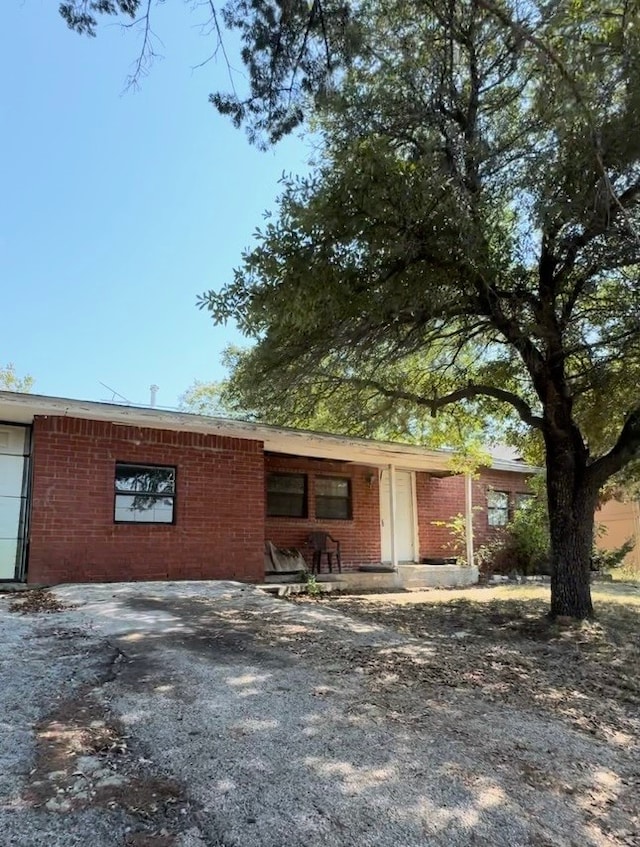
column 287, row 495
column 333, row 498
column 144, row 493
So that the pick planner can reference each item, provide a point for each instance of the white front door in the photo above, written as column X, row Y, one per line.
column 404, row 522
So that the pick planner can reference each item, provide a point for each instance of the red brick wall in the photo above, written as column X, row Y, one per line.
column 440, row 499
column 220, row 523
column 359, row 538
column 219, row 506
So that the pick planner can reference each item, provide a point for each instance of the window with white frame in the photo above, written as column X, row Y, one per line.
column 497, row 508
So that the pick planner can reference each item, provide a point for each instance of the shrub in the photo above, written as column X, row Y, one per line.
column 312, row 585
column 602, row 561
column 523, row 545
column 457, row 527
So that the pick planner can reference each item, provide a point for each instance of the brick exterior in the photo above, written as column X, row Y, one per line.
column 220, row 522
column 440, row 499
column 219, row 506
column 359, row 537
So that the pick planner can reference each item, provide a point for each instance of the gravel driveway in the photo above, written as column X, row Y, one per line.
column 212, row 715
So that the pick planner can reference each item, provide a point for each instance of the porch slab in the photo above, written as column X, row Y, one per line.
column 408, row 577
column 286, row 589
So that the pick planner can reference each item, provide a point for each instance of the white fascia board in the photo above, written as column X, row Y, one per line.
column 23, row 408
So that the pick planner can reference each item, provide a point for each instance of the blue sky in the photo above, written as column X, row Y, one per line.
column 117, row 209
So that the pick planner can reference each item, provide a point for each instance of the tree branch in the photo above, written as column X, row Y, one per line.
column 626, row 448
column 147, row 53
column 599, row 227
column 216, row 24
column 524, row 32
column 513, row 333
column 467, row 393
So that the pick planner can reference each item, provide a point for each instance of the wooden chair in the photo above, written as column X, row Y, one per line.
column 320, row 544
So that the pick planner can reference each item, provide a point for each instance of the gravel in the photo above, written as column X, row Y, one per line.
column 213, row 715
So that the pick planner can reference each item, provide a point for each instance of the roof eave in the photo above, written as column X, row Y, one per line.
column 23, row 408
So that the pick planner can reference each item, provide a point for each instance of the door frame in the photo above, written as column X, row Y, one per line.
column 20, row 572
column 386, row 507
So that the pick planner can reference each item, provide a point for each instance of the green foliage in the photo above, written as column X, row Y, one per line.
column 624, row 485
column 82, row 15
column 524, row 544
column 341, row 411
column 404, row 273
column 457, row 526
column 218, row 398
column 10, row 381
column 290, row 51
column 210, row 398
column 528, row 546
column 321, row 402
column 312, row 586
column 468, row 238
column 472, row 217
column 606, row 560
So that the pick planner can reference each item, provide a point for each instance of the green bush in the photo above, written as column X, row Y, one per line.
column 313, row 587
column 603, row 561
column 523, row 545
column 457, row 527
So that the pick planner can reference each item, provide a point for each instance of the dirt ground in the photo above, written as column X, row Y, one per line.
column 212, row 715
column 501, row 647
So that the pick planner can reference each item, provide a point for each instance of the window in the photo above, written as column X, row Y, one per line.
column 333, row 498
column 286, row 495
column 524, row 501
column 498, row 508
column 144, row 493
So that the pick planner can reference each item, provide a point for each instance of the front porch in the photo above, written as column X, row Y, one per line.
column 380, row 513
column 387, row 517
column 390, row 507
column 407, row 577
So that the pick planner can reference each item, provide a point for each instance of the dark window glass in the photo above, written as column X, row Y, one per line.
column 287, row 495
column 498, row 508
column 333, row 498
column 144, row 493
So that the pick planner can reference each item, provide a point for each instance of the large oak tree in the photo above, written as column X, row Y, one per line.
column 470, row 232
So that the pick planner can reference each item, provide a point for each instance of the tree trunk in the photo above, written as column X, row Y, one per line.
column 572, row 500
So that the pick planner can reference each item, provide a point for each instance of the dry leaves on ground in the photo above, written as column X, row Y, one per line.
column 39, row 600
column 508, row 651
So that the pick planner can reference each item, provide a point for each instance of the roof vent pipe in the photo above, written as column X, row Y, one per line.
column 154, row 394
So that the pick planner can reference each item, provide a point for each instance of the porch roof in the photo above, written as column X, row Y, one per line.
column 23, row 408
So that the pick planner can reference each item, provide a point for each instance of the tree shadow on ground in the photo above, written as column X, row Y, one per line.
column 414, row 731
